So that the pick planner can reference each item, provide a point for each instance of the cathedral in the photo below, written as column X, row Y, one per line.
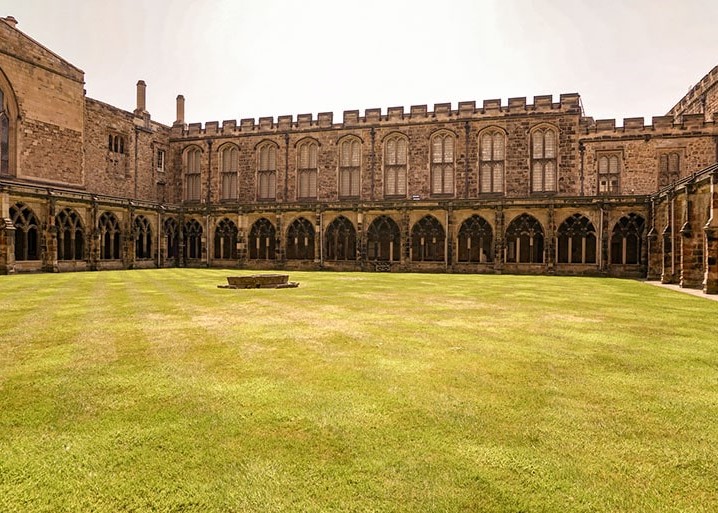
column 523, row 186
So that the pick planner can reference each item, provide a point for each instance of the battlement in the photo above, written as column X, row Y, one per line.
column 687, row 122
column 695, row 92
column 376, row 116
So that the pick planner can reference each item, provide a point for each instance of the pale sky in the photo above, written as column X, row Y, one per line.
column 235, row 59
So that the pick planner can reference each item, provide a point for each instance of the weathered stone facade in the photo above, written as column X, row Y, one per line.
column 522, row 187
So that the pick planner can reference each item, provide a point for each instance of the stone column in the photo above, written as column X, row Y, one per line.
column 668, row 243
column 499, row 240
column 7, row 236
column 710, row 252
column 49, row 239
column 691, row 258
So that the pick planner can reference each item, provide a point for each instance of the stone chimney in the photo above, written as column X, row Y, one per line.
column 180, row 110
column 10, row 20
column 141, row 98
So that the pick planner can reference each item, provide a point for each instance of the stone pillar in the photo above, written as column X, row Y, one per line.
column 449, row 256
column 550, row 241
column 141, row 98
column 691, row 256
column 499, row 240
column 668, row 243
column 94, row 239
column 319, row 238
column 7, row 236
column 361, row 241
column 710, row 248
column 280, row 250
column 181, row 261
column 242, row 238
column 406, row 237
column 49, row 239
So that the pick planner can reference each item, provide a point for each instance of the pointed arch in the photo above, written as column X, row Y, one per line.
column 110, row 240
column 229, row 169
column 300, row 240
column 170, row 228
column 383, row 240
column 492, row 155
column 627, row 240
column 192, row 231
column 525, row 240
column 143, row 238
column 349, row 166
column 544, row 158
column 225, row 240
column 9, row 114
column 192, row 163
column 307, row 168
column 442, row 147
column 27, row 232
column 427, row 240
column 262, row 240
column 70, row 235
column 396, row 150
column 476, row 240
column 267, row 152
column 340, row 240
column 577, row 243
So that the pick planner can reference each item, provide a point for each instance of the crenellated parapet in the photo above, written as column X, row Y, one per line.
column 696, row 94
column 466, row 110
column 659, row 124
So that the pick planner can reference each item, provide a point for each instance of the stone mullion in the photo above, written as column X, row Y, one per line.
column 48, row 241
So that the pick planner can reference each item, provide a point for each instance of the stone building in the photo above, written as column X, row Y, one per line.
column 526, row 186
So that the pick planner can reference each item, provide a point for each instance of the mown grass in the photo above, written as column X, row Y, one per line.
column 157, row 391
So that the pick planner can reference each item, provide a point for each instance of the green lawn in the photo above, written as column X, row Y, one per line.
column 157, row 391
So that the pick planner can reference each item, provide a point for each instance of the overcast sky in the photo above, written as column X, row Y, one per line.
column 234, row 59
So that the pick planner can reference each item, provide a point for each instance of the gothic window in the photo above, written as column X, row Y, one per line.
column 229, row 158
column 427, row 240
column 442, row 164
column 476, row 240
column 225, row 240
column 262, row 240
column 143, row 238
column 267, row 172
column 300, row 240
column 171, row 232
column 109, row 236
column 395, row 165
column 609, row 172
column 383, row 240
column 543, row 160
column 70, row 236
column 27, row 232
column 576, row 241
column 192, row 159
column 192, row 240
column 341, row 240
column 307, row 171
column 4, row 137
column 524, row 240
column 492, row 155
column 349, row 167
column 669, row 168
column 626, row 240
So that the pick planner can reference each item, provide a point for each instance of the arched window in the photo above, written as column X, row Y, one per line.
column 341, row 240
column 171, row 232
column 193, row 188
column 225, row 240
column 192, row 240
column 349, row 167
column 4, row 136
column 395, row 165
column 267, row 171
column 544, row 150
column 300, row 240
column 27, row 232
column 229, row 157
column 70, row 235
column 576, row 241
column 307, row 170
column 609, row 173
column 143, row 238
column 476, row 240
column 442, row 164
column 262, row 240
column 669, row 168
column 492, row 151
column 627, row 240
column 427, row 240
column 524, row 240
column 383, row 240
column 109, row 236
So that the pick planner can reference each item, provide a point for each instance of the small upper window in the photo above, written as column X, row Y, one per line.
column 116, row 143
column 161, row 161
column 669, row 168
column 609, row 172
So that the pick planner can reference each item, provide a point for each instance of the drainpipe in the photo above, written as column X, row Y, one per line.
column 467, row 129
column 582, row 152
